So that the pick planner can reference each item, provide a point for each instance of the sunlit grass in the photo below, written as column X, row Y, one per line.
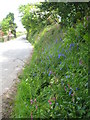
column 53, row 83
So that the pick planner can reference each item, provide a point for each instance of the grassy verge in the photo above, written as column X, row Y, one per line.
column 1, row 40
column 55, row 84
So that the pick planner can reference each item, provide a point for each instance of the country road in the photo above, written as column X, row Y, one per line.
column 13, row 56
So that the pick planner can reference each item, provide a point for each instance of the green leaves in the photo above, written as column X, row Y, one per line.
column 57, row 75
column 8, row 24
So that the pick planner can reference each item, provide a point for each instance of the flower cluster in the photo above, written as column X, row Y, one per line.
column 34, row 101
column 71, row 45
column 59, row 55
column 50, row 73
column 51, row 100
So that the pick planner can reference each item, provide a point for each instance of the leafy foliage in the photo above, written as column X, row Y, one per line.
column 8, row 24
column 35, row 17
column 29, row 17
column 55, row 84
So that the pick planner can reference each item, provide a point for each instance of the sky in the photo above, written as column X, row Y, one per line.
column 7, row 6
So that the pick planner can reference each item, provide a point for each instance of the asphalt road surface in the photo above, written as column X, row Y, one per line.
column 13, row 55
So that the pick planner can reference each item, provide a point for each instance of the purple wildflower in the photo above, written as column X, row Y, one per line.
column 70, row 92
column 77, row 47
column 60, row 39
column 50, row 73
column 59, row 55
column 60, row 68
column 31, row 101
column 68, row 85
column 71, row 45
column 80, row 62
column 54, row 98
column 49, row 102
column 63, row 55
column 56, row 40
column 66, row 51
column 36, row 107
column 76, row 88
column 68, row 76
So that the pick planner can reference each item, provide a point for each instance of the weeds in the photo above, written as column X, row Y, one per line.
column 55, row 84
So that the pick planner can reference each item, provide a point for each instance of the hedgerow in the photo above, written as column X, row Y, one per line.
column 55, row 84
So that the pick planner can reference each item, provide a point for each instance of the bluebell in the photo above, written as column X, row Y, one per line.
column 71, row 45
column 76, row 88
column 60, row 39
column 70, row 92
column 59, row 55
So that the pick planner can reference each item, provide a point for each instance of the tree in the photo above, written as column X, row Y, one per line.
column 8, row 24
column 34, row 17
column 5, row 25
column 29, row 17
column 70, row 12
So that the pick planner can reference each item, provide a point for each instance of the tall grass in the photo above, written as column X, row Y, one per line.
column 55, row 83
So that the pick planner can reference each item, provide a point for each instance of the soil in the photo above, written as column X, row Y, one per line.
column 8, row 100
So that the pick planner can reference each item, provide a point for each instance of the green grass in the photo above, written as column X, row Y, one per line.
column 1, row 40
column 55, row 83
